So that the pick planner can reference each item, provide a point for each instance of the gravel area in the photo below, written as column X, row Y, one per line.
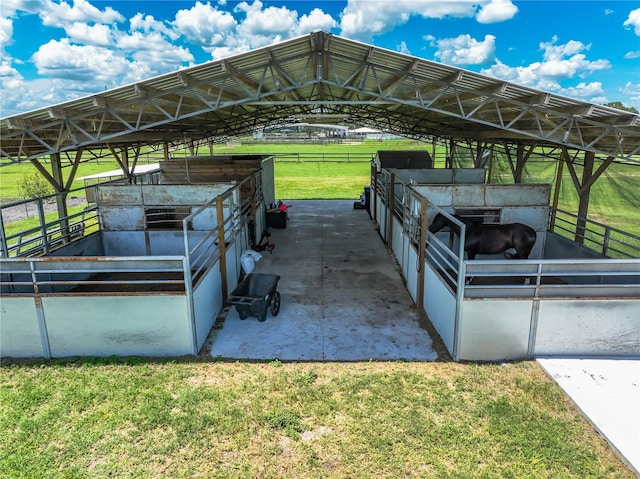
column 16, row 213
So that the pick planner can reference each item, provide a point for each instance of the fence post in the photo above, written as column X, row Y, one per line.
column 422, row 242
column 222, row 247
column 605, row 240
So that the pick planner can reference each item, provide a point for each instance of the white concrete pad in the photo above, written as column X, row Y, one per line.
column 607, row 391
column 342, row 297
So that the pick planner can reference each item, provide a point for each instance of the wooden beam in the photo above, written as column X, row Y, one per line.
column 584, row 193
column 556, row 194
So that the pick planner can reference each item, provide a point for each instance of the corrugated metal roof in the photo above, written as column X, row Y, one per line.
column 325, row 74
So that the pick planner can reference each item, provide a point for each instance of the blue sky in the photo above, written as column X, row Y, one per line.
column 53, row 51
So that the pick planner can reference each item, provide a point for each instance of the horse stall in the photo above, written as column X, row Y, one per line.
column 565, row 299
column 390, row 195
column 149, row 280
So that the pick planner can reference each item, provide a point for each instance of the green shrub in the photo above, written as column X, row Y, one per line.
column 34, row 185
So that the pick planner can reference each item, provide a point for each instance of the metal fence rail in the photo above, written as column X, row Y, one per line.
column 599, row 237
column 103, row 274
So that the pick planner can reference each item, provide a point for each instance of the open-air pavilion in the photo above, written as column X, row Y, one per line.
column 323, row 79
column 316, row 78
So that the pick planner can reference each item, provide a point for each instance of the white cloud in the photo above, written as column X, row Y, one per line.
column 403, row 48
column 632, row 93
column 363, row 20
column 316, row 20
column 496, row 11
column 583, row 90
column 99, row 34
column 560, row 62
column 205, row 25
column 92, row 64
column 262, row 27
column 6, row 32
column 632, row 89
column 56, row 14
column 632, row 55
column 465, row 50
column 147, row 24
column 634, row 21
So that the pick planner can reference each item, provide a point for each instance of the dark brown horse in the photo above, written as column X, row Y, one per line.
column 491, row 238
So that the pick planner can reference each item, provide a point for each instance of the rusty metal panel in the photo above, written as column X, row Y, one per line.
column 517, row 194
column 172, row 195
column 494, row 330
column 20, row 332
column 589, row 327
column 468, row 195
column 119, row 195
column 439, row 195
column 122, row 218
column 146, row 325
column 469, row 175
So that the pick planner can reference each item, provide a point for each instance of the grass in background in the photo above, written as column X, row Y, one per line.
column 614, row 198
column 132, row 419
column 296, row 181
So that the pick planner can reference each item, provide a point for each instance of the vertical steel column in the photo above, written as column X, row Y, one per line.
column 373, row 192
column 390, row 208
column 188, row 289
column 422, row 244
column 462, row 272
column 223, row 249
column 42, row 323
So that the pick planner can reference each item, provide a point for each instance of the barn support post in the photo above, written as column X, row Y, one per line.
column 61, row 199
column 222, row 247
column 421, row 251
column 123, row 161
column 132, row 169
column 521, row 159
column 583, row 188
column 373, row 191
column 165, row 151
column 390, row 208
column 584, row 194
column 556, row 193
column 451, row 153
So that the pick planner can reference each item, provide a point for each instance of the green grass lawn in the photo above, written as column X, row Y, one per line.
column 132, row 419
column 321, row 180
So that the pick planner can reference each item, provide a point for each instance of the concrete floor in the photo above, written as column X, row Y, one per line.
column 607, row 392
column 343, row 298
